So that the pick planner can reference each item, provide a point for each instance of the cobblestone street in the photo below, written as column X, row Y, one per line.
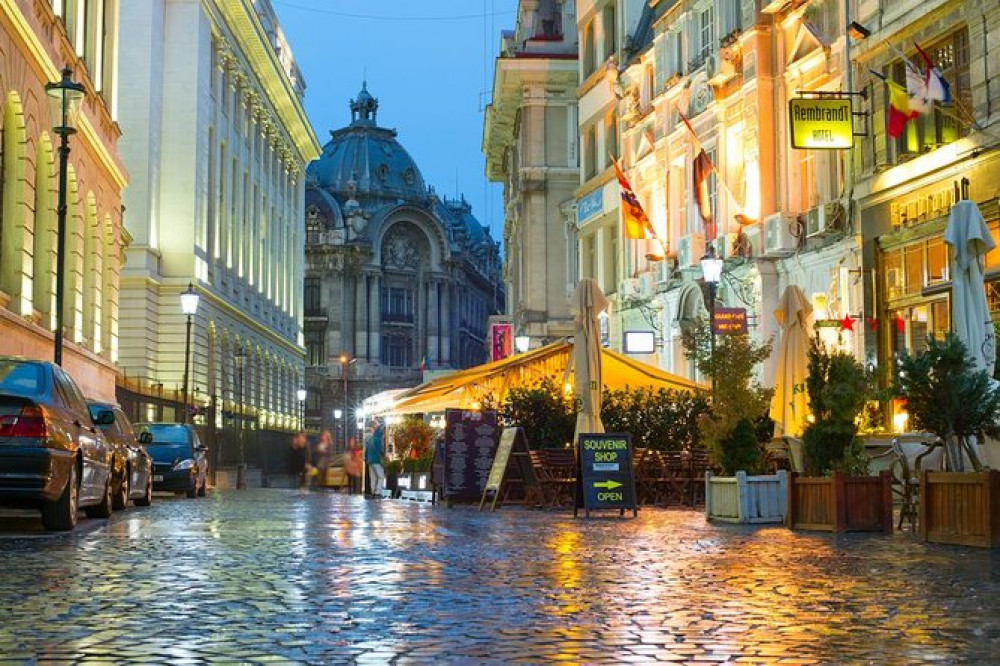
column 276, row 576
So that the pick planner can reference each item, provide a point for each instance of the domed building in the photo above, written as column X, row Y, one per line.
column 397, row 280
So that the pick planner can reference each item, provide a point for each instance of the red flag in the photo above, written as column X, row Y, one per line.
column 701, row 171
column 633, row 215
column 899, row 109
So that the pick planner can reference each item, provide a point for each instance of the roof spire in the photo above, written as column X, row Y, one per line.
column 364, row 109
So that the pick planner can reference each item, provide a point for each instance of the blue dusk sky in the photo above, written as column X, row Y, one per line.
column 429, row 63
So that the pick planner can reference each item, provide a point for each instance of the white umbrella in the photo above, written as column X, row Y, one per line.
column 586, row 359
column 970, row 240
column 790, row 405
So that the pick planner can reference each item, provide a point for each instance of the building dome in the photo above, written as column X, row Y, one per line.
column 366, row 159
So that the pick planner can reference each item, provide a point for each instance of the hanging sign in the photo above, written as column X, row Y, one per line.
column 821, row 124
column 729, row 320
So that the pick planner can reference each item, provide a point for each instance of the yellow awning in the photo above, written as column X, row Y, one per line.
column 466, row 389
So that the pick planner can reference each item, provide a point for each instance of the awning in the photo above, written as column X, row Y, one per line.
column 466, row 389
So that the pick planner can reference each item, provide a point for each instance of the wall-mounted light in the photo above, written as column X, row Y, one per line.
column 858, row 31
column 521, row 343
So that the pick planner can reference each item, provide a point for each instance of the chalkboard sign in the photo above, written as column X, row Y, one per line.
column 470, row 442
column 512, row 443
column 606, row 479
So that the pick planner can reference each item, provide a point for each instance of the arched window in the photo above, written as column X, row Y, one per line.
column 93, row 274
column 44, row 281
column 14, row 216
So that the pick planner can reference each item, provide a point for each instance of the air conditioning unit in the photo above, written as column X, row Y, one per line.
column 690, row 250
column 816, row 222
column 647, row 285
column 779, row 239
column 754, row 240
column 630, row 288
column 723, row 245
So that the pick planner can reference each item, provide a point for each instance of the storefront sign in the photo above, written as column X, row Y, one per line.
column 639, row 342
column 729, row 320
column 821, row 123
column 605, row 477
column 590, row 205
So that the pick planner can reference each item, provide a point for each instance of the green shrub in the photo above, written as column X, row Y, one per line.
column 544, row 410
column 741, row 450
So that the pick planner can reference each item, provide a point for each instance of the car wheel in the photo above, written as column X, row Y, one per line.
column 61, row 515
column 102, row 510
column 193, row 490
column 147, row 497
column 121, row 491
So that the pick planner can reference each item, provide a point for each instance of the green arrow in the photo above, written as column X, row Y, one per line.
column 607, row 485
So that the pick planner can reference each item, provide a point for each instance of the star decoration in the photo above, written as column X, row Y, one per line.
column 900, row 324
column 872, row 324
column 847, row 323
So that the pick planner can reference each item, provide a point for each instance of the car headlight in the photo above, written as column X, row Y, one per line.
column 183, row 465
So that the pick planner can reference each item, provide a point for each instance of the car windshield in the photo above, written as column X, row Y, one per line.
column 166, row 433
column 21, row 378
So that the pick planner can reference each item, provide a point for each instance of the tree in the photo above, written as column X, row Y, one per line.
column 737, row 396
column 946, row 394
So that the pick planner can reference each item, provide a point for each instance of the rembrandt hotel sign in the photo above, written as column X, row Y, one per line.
column 821, row 123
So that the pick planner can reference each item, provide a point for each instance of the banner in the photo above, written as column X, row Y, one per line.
column 501, row 335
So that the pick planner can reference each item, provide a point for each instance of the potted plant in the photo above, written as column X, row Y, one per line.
column 946, row 394
column 413, row 439
column 729, row 429
column 837, row 494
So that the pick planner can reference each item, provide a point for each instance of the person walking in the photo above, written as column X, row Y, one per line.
column 374, row 452
column 298, row 459
column 354, row 467
column 321, row 457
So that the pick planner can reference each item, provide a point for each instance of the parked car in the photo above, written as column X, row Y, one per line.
column 53, row 456
column 180, row 463
column 132, row 466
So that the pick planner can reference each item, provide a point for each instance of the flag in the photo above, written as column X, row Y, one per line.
column 701, row 170
column 916, row 90
column 636, row 221
column 899, row 109
column 935, row 86
column 424, row 365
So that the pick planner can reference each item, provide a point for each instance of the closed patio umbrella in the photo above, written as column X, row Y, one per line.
column 789, row 406
column 970, row 240
column 590, row 302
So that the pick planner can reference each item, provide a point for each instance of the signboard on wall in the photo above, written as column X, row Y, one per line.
column 501, row 339
column 640, row 342
column 729, row 320
column 821, row 124
column 590, row 205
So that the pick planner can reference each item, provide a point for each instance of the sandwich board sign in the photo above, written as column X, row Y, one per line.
column 605, row 479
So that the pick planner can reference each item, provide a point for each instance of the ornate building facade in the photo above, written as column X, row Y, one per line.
column 397, row 279
column 37, row 39
column 530, row 143
column 218, row 139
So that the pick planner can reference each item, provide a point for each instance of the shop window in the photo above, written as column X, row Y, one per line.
column 993, row 256
column 913, row 262
column 893, row 262
column 945, row 123
column 919, row 323
column 937, row 261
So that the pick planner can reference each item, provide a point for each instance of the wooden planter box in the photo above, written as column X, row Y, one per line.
column 961, row 508
column 747, row 499
column 840, row 503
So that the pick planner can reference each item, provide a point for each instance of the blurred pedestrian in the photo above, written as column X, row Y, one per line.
column 374, row 452
column 321, row 457
column 353, row 466
column 298, row 460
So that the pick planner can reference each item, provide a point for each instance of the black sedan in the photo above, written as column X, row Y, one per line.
column 132, row 467
column 53, row 457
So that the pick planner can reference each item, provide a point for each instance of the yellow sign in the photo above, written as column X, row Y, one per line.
column 821, row 123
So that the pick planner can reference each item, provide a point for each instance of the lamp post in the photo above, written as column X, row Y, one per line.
column 189, row 305
column 711, row 270
column 301, row 395
column 337, row 415
column 64, row 97
column 345, row 363
column 241, row 469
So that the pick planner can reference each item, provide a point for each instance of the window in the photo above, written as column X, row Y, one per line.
column 313, row 305
column 706, row 30
column 668, row 58
column 590, row 152
column 942, row 125
column 611, row 136
column 730, row 17
column 589, row 55
column 397, row 304
column 397, row 351
column 610, row 31
column 315, row 347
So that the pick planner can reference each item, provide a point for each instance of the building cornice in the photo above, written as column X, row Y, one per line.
column 52, row 72
column 252, row 40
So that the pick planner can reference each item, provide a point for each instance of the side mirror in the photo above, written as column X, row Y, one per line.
column 104, row 417
column 145, row 437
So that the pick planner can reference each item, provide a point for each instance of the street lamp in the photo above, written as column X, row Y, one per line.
column 711, row 271
column 189, row 306
column 301, row 395
column 241, row 469
column 64, row 99
column 521, row 343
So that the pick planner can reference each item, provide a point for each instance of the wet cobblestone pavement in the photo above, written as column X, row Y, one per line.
column 275, row 576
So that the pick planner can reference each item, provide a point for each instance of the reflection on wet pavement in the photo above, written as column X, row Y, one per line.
column 323, row 578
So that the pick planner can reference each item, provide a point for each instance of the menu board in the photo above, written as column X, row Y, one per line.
column 470, row 443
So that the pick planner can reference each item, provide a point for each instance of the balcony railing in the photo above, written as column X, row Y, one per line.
column 397, row 318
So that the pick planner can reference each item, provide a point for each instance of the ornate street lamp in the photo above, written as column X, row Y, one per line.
column 189, row 306
column 711, row 271
column 64, row 98
column 521, row 343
